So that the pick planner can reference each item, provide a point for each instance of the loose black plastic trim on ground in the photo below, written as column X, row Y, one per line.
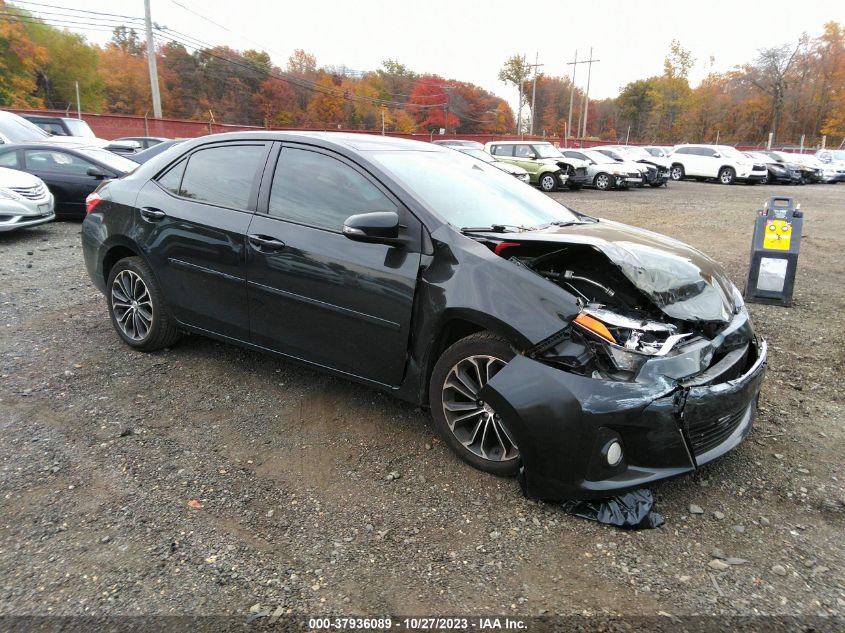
column 631, row 511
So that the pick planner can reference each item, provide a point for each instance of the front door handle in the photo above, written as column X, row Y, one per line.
column 152, row 214
column 262, row 242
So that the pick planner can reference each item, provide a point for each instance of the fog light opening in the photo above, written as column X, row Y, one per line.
column 614, row 454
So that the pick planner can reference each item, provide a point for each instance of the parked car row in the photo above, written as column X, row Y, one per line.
column 728, row 165
column 50, row 164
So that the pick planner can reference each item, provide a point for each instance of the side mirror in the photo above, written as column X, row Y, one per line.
column 96, row 172
column 378, row 227
column 717, row 155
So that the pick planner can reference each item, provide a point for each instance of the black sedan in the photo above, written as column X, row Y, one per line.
column 71, row 172
column 587, row 356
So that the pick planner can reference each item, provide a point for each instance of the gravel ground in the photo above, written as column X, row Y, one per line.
column 205, row 479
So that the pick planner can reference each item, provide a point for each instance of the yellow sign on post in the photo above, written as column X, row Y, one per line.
column 778, row 235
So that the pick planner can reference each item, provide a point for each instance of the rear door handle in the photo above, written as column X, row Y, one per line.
column 152, row 214
column 262, row 242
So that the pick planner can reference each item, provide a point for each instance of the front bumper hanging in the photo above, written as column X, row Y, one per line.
column 564, row 423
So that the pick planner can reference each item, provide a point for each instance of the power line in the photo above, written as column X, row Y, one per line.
column 101, row 13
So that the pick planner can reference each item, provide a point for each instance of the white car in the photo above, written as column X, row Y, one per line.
column 24, row 200
column 833, row 164
column 604, row 173
column 655, row 169
column 723, row 162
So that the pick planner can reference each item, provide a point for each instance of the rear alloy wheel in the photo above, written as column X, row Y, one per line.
column 468, row 425
column 137, row 309
column 602, row 182
column 727, row 175
column 548, row 181
column 677, row 172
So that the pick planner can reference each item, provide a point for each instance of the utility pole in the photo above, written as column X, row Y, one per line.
column 446, row 89
column 535, row 65
column 519, row 105
column 574, row 65
column 590, row 63
column 78, row 103
column 151, row 61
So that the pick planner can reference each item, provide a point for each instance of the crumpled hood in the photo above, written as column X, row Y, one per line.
column 682, row 281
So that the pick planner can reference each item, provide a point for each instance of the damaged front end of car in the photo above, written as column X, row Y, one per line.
column 657, row 374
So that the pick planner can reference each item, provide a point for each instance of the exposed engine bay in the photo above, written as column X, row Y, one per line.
column 620, row 326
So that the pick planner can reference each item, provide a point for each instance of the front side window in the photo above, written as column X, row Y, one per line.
column 55, row 161
column 524, row 151
column 318, row 190
column 223, row 175
column 547, row 150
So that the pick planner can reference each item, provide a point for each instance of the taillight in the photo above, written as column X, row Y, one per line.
column 92, row 201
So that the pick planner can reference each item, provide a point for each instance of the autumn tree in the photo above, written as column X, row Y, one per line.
column 122, row 65
column 770, row 75
column 515, row 72
column 70, row 61
column 20, row 59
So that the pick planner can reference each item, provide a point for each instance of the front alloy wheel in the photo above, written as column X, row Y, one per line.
column 548, row 182
column 472, row 421
column 468, row 425
column 677, row 172
column 602, row 182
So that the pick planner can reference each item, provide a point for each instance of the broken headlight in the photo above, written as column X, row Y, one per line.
column 628, row 342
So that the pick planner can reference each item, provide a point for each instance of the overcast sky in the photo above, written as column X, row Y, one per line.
column 469, row 40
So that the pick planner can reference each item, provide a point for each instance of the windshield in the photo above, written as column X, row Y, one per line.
column 837, row 155
column 468, row 193
column 730, row 152
column 79, row 128
column 639, row 152
column 546, row 150
column 118, row 163
column 597, row 157
column 19, row 130
column 479, row 154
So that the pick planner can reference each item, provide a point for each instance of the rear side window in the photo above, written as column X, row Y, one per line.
column 172, row 179
column 503, row 150
column 10, row 159
column 321, row 191
column 223, row 175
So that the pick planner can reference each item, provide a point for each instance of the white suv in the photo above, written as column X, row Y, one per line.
column 722, row 162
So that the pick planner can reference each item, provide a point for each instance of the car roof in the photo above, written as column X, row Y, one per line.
column 50, row 145
column 529, row 141
column 348, row 140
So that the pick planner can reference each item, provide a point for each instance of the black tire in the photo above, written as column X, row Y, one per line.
column 547, row 181
column 676, row 172
column 150, row 308
column 727, row 175
column 603, row 181
column 446, row 390
column 656, row 184
column 575, row 186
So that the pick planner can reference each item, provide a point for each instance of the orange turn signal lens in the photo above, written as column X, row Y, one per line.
column 595, row 326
